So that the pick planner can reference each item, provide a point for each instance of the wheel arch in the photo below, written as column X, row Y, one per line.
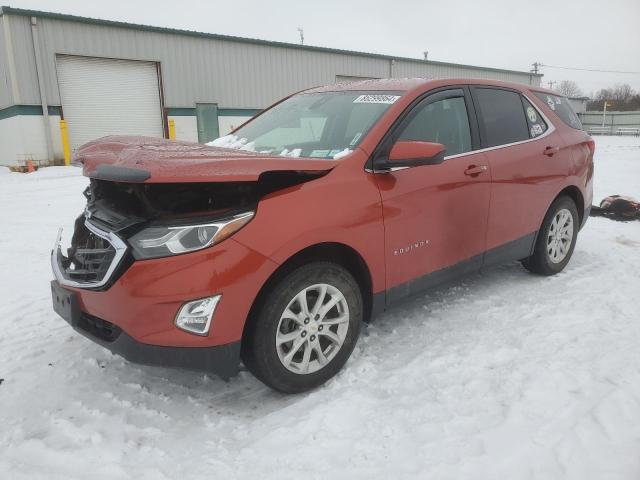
column 575, row 194
column 338, row 253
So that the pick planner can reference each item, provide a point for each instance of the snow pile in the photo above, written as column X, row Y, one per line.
column 232, row 141
column 505, row 375
column 342, row 153
column 294, row 152
column 4, row 170
column 237, row 143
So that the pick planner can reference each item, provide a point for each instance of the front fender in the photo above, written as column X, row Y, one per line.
column 342, row 207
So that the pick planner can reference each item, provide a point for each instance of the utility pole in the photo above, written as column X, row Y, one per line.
column 301, row 32
column 551, row 82
column 426, row 54
column 535, row 66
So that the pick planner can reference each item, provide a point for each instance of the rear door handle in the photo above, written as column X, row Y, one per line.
column 551, row 151
column 475, row 170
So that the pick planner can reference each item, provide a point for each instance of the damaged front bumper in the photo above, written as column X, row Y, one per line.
column 221, row 360
column 132, row 305
column 133, row 313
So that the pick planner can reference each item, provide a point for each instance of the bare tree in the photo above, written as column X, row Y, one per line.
column 569, row 88
column 622, row 93
column 621, row 97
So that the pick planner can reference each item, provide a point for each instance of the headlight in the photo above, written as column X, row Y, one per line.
column 163, row 241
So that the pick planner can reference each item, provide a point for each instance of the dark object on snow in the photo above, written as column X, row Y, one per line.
column 617, row 207
column 1, row 380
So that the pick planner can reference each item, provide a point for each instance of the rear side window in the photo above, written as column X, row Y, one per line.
column 562, row 108
column 443, row 121
column 503, row 116
column 537, row 125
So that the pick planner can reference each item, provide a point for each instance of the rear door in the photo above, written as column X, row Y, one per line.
column 435, row 216
column 528, row 161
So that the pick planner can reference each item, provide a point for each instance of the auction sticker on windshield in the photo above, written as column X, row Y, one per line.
column 377, row 99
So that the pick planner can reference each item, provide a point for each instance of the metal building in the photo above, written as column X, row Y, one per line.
column 106, row 77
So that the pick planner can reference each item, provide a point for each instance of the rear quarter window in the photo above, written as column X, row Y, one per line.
column 537, row 125
column 561, row 106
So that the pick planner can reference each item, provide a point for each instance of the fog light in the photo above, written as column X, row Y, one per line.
column 195, row 317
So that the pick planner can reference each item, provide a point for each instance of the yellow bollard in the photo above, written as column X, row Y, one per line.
column 172, row 129
column 65, row 142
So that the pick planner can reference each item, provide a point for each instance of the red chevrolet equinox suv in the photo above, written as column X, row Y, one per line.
column 274, row 243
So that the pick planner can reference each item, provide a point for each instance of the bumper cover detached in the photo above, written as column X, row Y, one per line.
column 222, row 360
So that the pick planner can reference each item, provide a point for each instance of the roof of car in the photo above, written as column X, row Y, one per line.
column 391, row 84
column 407, row 84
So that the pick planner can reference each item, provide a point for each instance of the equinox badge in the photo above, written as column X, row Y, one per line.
column 410, row 247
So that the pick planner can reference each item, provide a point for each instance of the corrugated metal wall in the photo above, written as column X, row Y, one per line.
column 198, row 69
column 5, row 83
column 24, row 59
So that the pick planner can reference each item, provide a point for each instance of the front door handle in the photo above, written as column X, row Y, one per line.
column 475, row 170
column 551, row 151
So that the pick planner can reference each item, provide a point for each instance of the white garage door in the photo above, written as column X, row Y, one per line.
column 108, row 97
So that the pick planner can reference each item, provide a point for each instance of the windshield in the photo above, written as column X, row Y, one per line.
column 318, row 125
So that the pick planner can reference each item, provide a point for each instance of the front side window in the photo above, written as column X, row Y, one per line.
column 562, row 108
column 503, row 116
column 317, row 125
column 443, row 121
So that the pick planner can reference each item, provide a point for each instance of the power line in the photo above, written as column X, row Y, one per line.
column 587, row 69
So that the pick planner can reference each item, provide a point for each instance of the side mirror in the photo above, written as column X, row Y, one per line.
column 413, row 153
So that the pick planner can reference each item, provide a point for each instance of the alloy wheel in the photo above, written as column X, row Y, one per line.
column 312, row 328
column 560, row 236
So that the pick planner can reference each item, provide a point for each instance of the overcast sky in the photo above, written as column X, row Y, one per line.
column 512, row 34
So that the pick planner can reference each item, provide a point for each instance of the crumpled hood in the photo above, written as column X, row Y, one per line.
column 155, row 160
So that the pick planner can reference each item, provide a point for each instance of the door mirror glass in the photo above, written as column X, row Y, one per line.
column 411, row 153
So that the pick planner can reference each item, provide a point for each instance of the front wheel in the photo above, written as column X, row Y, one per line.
column 556, row 238
column 306, row 328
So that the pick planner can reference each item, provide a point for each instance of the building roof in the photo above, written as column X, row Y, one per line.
column 94, row 21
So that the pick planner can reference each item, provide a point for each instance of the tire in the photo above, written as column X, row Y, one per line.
column 329, row 337
column 553, row 250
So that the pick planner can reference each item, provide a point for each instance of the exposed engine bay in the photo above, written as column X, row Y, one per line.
column 118, row 210
column 119, row 205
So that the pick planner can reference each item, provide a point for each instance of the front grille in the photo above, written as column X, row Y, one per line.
column 99, row 328
column 91, row 259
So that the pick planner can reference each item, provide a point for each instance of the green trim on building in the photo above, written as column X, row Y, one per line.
column 214, row 36
column 222, row 112
column 181, row 112
column 16, row 110
column 238, row 112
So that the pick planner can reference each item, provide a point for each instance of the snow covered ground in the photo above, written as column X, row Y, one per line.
column 505, row 375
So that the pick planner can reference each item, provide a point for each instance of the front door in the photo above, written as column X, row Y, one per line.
column 207, row 116
column 435, row 216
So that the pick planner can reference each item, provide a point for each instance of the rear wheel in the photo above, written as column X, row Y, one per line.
column 306, row 329
column 556, row 238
